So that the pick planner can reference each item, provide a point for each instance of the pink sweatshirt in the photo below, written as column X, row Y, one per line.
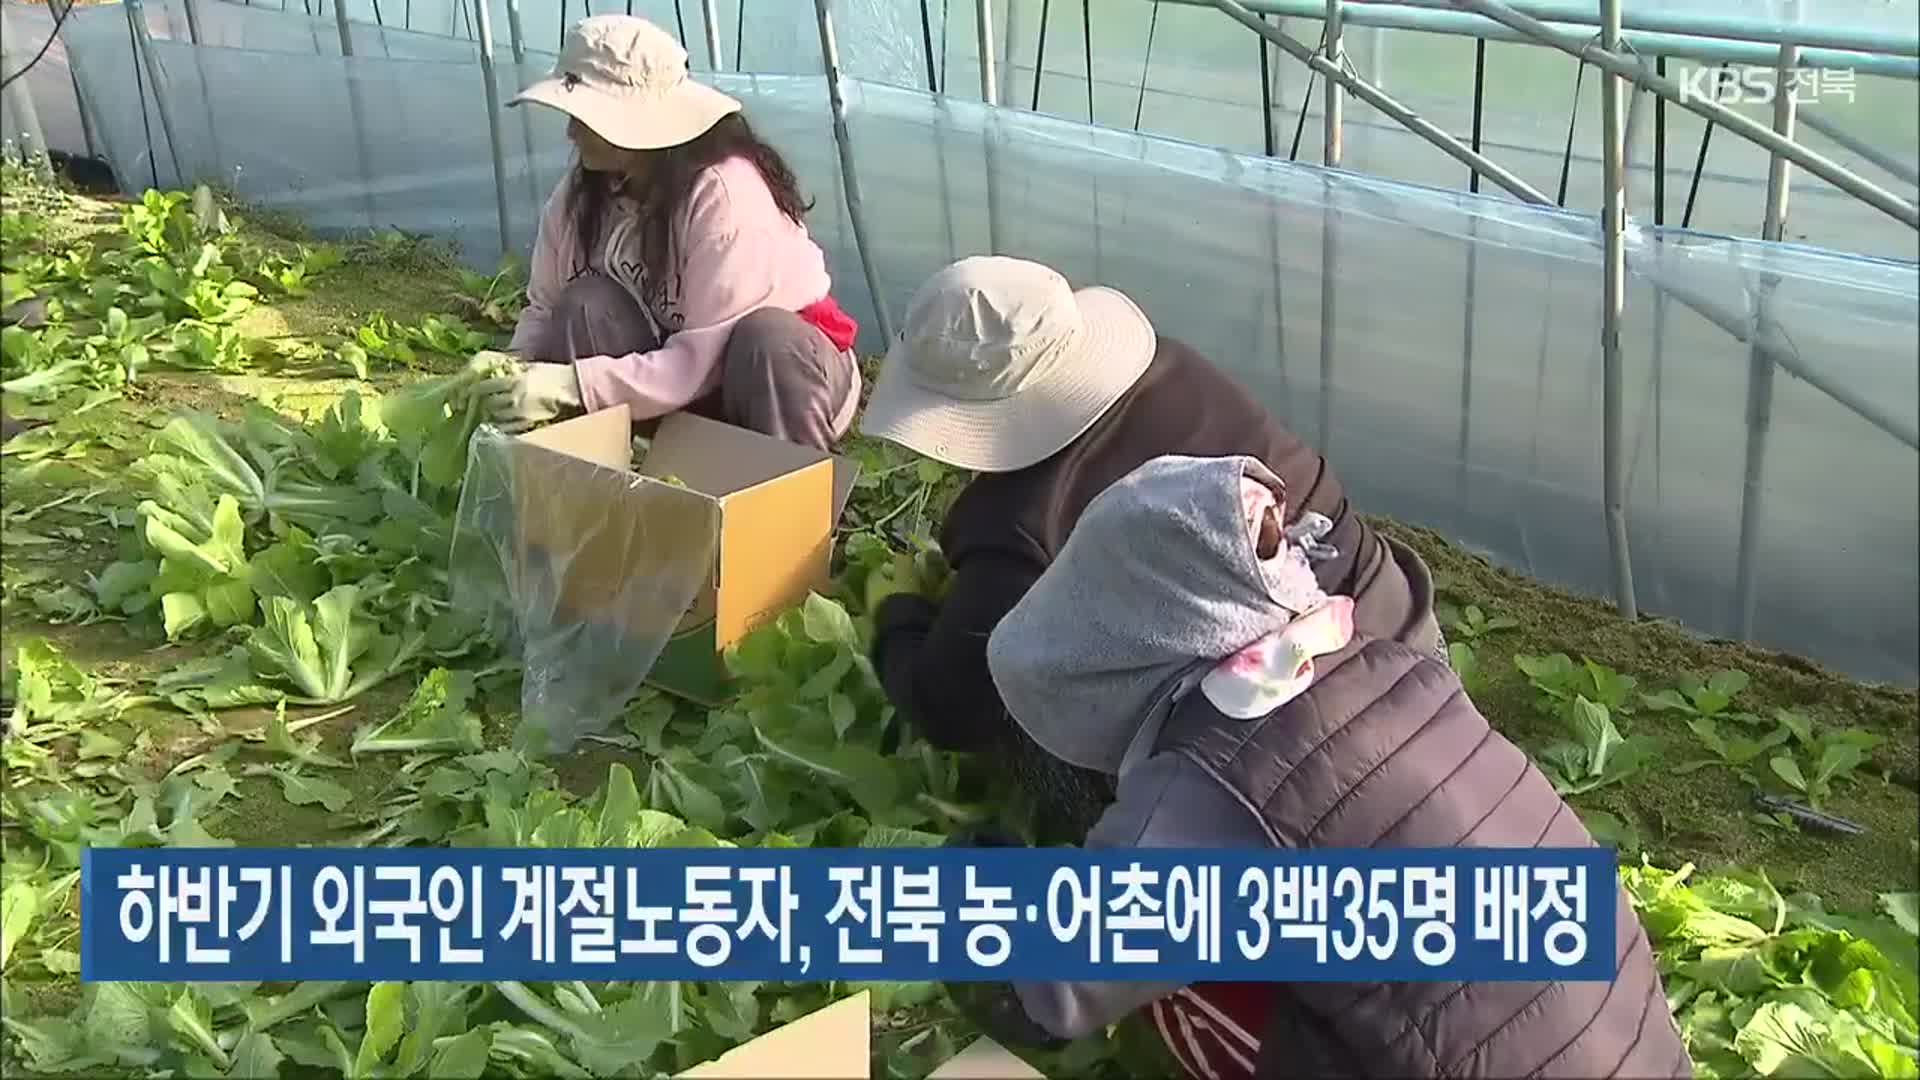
column 739, row 253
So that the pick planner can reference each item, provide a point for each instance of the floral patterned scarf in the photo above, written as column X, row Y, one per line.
column 1279, row 667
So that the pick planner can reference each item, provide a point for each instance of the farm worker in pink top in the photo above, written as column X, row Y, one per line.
column 672, row 269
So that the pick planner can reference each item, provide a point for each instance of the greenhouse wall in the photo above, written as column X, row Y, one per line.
column 1184, row 70
column 41, row 109
column 1442, row 348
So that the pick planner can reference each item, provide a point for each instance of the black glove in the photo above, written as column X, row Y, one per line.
column 891, row 734
column 996, row 1010
column 899, row 612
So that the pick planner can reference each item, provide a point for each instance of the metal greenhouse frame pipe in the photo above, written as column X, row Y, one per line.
column 1612, row 63
column 359, row 121
column 1333, row 113
column 1636, row 117
column 1653, row 21
column 989, row 95
column 1440, row 17
column 1329, row 314
column 1781, row 352
column 1735, row 324
column 1760, row 368
column 516, row 34
column 1366, row 92
column 340, row 26
column 710, row 22
column 1279, row 307
column 1464, row 448
column 830, row 55
column 1005, row 69
column 1613, row 302
column 1856, row 145
column 1332, row 148
column 483, row 14
column 517, row 41
column 983, row 34
column 989, row 135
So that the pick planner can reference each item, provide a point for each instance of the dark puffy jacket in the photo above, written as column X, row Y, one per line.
column 1386, row 750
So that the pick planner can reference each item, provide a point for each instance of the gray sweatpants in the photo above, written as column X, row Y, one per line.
column 779, row 375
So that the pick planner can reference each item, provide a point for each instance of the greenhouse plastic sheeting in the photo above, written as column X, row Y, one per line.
column 268, row 29
column 1470, row 408
column 880, row 39
column 400, row 144
column 526, row 564
column 41, row 108
column 1893, row 17
column 1496, row 443
column 896, row 29
column 1189, row 72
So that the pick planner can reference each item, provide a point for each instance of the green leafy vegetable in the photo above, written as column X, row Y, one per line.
column 436, row 718
column 325, row 650
column 203, row 578
column 1709, row 697
column 1598, row 756
column 1558, row 680
column 1764, row 986
column 1472, row 623
column 306, row 535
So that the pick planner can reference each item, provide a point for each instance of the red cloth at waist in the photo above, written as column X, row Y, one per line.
column 1213, row 1029
column 826, row 316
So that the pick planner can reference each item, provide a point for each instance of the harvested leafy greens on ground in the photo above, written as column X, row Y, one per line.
column 228, row 622
column 1775, row 985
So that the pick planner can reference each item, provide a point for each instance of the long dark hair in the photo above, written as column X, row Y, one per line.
column 669, row 181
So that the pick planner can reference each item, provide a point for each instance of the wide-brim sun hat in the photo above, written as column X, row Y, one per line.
column 1002, row 364
column 626, row 79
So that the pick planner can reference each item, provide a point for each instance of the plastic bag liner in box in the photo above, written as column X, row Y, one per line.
column 582, row 570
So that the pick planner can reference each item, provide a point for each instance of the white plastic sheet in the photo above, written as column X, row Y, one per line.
column 585, row 589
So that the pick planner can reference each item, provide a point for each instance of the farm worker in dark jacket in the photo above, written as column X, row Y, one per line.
column 1052, row 394
column 672, row 269
column 1181, row 642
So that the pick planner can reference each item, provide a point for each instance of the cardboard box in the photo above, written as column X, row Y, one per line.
column 984, row 1059
column 836, row 1043
column 767, row 506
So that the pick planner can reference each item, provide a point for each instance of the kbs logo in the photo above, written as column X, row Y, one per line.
column 1745, row 85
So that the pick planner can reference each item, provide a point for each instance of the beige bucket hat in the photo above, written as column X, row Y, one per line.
column 627, row 79
column 1001, row 364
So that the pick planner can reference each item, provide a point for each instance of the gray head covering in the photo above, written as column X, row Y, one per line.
column 1158, row 580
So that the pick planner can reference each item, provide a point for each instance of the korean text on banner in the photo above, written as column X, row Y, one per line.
column 910, row 914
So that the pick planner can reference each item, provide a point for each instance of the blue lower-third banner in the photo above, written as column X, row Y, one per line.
column 893, row 914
